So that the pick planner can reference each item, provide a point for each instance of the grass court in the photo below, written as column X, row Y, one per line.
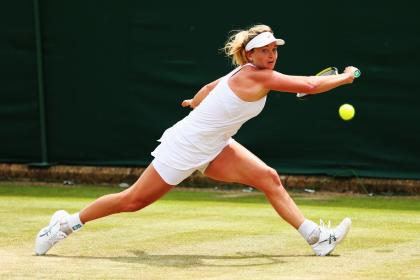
column 207, row 234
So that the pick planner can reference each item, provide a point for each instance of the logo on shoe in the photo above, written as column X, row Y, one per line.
column 76, row 227
column 45, row 234
column 329, row 239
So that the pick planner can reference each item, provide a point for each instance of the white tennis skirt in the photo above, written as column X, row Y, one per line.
column 174, row 176
column 175, row 159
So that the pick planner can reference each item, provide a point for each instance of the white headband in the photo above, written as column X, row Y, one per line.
column 261, row 40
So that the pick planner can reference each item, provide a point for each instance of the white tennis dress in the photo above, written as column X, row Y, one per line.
column 199, row 137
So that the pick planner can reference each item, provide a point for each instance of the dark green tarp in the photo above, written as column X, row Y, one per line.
column 115, row 73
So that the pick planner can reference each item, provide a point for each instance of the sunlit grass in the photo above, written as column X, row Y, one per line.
column 206, row 234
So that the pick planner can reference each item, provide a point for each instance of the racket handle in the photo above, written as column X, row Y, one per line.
column 302, row 96
column 357, row 73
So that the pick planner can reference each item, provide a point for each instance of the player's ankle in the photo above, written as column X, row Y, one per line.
column 309, row 231
column 71, row 223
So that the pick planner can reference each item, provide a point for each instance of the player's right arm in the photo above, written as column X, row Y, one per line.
column 305, row 84
column 200, row 95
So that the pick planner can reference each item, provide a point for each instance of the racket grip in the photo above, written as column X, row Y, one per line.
column 357, row 73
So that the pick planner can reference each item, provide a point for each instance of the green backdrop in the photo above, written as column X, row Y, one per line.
column 115, row 72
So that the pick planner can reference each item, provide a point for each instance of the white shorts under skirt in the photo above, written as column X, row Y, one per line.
column 174, row 176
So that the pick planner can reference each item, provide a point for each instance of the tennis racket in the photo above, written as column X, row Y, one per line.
column 326, row 72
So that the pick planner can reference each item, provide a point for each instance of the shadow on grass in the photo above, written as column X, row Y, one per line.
column 238, row 260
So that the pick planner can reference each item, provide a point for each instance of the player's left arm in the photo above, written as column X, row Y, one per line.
column 200, row 95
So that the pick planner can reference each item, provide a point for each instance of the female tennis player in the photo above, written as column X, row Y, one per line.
column 203, row 141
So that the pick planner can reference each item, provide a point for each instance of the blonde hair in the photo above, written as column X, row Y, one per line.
column 235, row 45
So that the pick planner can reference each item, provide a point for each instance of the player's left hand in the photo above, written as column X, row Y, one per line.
column 187, row 103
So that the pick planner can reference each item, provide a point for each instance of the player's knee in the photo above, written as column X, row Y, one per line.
column 129, row 203
column 269, row 180
column 271, row 176
column 134, row 206
column 129, row 207
column 274, row 176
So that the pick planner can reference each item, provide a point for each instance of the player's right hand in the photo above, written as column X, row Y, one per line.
column 350, row 70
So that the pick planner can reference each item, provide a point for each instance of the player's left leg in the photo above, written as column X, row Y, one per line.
column 237, row 164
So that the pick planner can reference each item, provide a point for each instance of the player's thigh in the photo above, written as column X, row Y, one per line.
column 237, row 164
column 148, row 188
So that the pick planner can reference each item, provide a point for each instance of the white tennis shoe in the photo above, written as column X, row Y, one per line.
column 51, row 234
column 329, row 238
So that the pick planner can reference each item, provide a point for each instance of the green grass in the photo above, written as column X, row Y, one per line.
column 203, row 234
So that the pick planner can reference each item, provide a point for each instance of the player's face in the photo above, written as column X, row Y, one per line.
column 264, row 57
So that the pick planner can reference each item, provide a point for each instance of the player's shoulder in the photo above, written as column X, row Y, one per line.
column 261, row 74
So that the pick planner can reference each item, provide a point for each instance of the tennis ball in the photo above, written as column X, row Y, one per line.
column 346, row 112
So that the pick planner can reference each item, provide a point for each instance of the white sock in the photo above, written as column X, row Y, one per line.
column 71, row 223
column 310, row 231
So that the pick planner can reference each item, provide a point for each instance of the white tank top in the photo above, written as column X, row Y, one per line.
column 200, row 137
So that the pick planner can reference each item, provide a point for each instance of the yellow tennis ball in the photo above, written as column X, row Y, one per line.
column 346, row 112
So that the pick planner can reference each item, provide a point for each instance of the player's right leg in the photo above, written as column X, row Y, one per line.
column 148, row 188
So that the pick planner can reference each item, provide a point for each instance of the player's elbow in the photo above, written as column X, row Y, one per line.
column 310, row 88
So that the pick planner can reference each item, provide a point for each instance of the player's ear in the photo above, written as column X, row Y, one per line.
column 248, row 55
